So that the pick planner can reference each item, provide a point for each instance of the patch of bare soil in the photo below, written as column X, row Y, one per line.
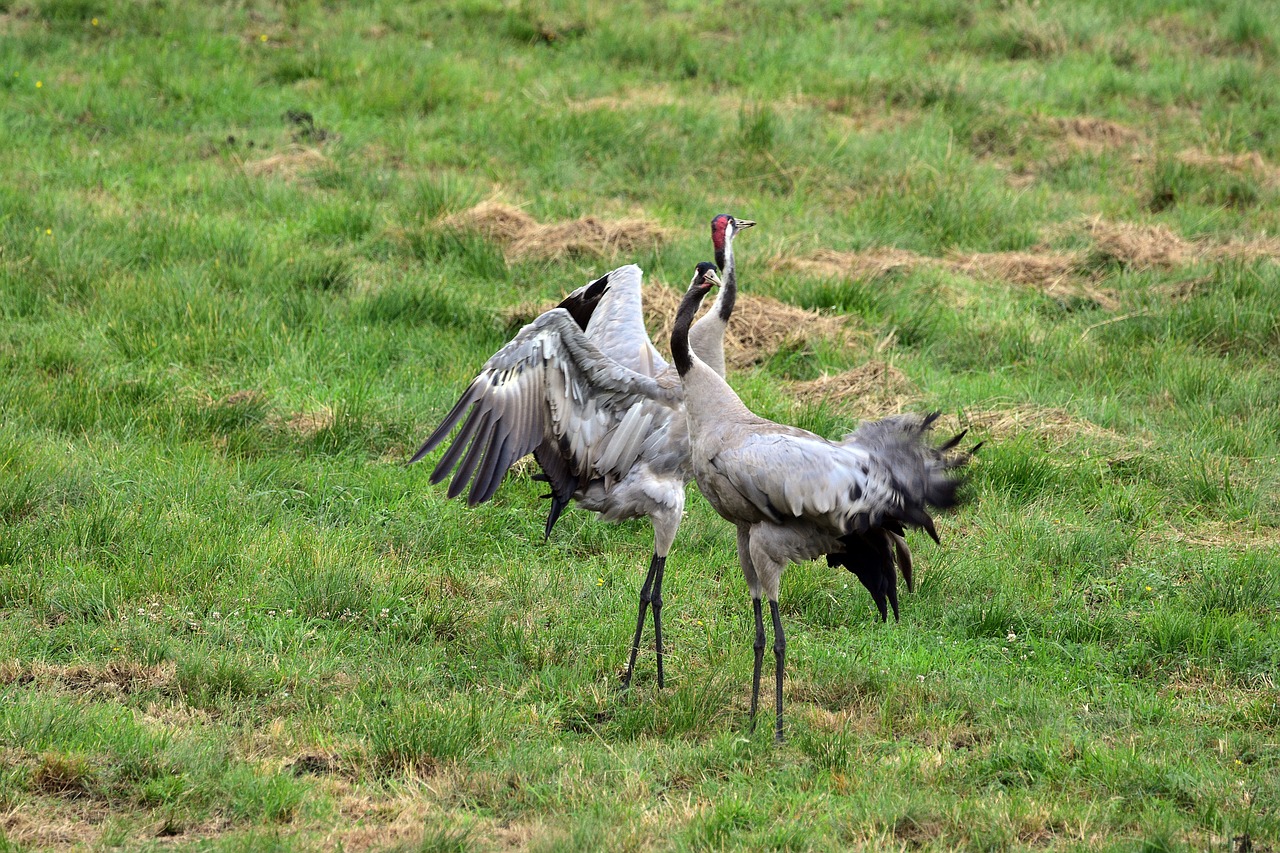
column 1227, row 535
column 39, row 826
column 523, row 237
column 917, row 831
column 872, row 389
column 246, row 397
column 305, row 424
column 289, row 165
column 1057, row 274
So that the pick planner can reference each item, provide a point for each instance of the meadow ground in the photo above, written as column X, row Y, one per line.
column 250, row 253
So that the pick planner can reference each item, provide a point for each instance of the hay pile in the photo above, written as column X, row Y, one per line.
column 873, row 389
column 289, row 165
column 761, row 326
column 1058, row 426
column 1138, row 247
column 523, row 238
column 1056, row 274
column 871, row 263
column 1095, row 133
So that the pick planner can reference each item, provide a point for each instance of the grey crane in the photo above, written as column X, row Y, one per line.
column 794, row 495
column 583, row 388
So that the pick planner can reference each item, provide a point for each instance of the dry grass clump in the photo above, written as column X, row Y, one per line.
column 1056, row 274
column 872, row 389
column 289, row 165
column 1057, row 425
column 119, row 676
column 761, row 325
column 871, row 263
column 1096, row 133
column 1138, row 247
column 523, row 237
column 1249, row 163
column 495, row 220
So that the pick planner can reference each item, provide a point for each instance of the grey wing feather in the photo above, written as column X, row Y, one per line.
column 551, row 392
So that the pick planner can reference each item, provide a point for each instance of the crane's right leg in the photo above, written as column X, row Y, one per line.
column 656, row 566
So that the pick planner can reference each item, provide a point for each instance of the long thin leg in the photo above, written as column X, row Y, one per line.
column 656, row 603
column 646, row 594
column 759, row 647
column 779, row 655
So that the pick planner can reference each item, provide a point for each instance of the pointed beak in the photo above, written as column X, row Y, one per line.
column 743, row 223
column 712, row 279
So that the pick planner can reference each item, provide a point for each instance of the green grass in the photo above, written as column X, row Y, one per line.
column 230, row 307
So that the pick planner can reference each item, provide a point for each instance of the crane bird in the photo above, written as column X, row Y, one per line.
column 794, row 495
column 584, row 390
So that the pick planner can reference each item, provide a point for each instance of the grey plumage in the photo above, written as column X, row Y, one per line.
column 794, row 495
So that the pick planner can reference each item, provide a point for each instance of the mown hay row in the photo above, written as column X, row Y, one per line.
column 523, row 238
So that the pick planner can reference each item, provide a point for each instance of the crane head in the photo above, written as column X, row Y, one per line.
column 705, row 276
column 723, row 227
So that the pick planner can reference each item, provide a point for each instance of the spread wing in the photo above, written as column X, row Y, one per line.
column 617, row 323
column 553, row 393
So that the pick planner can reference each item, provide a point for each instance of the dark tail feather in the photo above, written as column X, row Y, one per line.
column 954, row 441
column 870, row 557
column 557, row 474
column 924, row 478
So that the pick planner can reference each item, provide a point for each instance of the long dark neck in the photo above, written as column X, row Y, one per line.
column 680, row 352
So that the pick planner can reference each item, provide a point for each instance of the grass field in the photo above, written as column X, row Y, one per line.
column 251, row 252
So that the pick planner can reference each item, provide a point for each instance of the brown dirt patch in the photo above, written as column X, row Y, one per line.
column 523, row 237
column 289, row 165
column 1227, row 535
column 248, row 397
column 873, row 389
column 78, row 824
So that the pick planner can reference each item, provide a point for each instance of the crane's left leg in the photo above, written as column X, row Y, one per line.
column 779, row 655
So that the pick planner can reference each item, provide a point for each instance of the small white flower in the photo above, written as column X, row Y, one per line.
column 1012, row 636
